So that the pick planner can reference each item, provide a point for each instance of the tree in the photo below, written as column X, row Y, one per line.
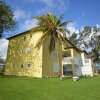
column 90, row 38
column 52, row 27
column 6, row 17
column 73, row 38
column 83, row 37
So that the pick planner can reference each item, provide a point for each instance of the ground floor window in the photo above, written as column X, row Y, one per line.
column 67, row 70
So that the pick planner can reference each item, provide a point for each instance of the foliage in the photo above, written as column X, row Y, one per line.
column 73, row 38
column 90, row 37
column 53, row 27
column 6, row 17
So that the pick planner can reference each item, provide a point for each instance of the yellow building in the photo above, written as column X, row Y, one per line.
column 24, row 59
column 71, row 59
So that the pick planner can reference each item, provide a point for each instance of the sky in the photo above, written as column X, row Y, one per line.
column 81, row 12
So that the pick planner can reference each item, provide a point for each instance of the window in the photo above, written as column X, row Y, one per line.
column 30, row 35
column 22, row 66
column 27, row 50
column 28, row 65
column 24, row 37
column 65, row 48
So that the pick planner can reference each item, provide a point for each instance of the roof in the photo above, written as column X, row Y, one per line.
column 85, row 52
column 35, row 29
column 73, row 45
column 19, row 34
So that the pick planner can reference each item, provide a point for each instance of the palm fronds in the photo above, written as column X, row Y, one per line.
column 52, row 26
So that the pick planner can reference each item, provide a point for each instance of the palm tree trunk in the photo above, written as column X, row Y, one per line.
column 58, row 61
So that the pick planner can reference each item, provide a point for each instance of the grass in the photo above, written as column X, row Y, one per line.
column 12, row 88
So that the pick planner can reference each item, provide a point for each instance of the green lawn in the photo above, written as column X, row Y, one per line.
column 49, row 89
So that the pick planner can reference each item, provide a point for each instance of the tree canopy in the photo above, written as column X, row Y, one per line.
column 88, row 38
column 6, row 17
column 53, row 27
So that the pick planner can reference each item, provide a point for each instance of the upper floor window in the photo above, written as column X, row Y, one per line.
column 27, row 50
column 27, row 37
column 30, row 35
column 24, row 37
column 28, row 65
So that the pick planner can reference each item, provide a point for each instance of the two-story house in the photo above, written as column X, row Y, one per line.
column 24, row 59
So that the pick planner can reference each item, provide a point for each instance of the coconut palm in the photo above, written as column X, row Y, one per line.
column 53, row 27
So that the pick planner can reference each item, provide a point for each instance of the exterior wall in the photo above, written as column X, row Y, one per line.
column 74, row 60
column 87, row 66
column 1, row 68
column 52, row 61
column 77, row 62
column 23, row 58
column 68, row 57
column 96, row 67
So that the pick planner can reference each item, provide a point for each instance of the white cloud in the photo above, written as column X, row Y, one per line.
column 3, row 48
column 48, row 2
column 57, row 5
column 24, row 20
column 21, row 14
column 53, row 5
column 28, row 24
column 71, row 27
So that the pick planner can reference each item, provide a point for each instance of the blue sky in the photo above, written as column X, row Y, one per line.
column 82, row 12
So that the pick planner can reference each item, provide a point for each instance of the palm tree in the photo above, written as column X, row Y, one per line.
column 53, row 27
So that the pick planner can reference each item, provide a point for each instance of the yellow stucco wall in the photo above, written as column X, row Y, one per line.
column 52, row 61
column 23, row 58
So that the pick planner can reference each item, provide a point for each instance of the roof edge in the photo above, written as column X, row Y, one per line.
column 30, row 30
